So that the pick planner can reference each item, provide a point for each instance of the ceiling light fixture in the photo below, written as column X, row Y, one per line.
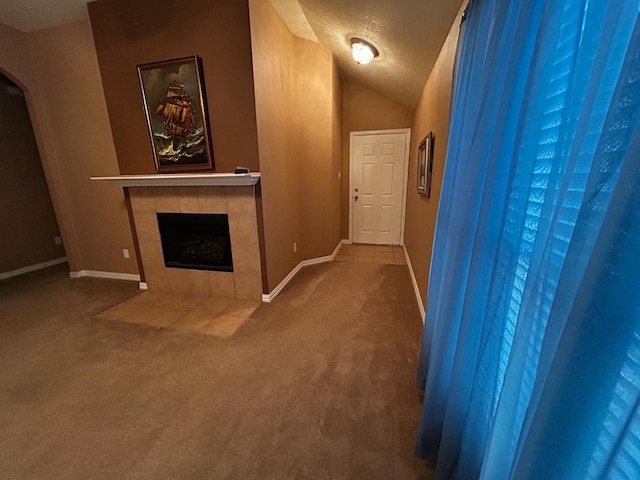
column 363, row 52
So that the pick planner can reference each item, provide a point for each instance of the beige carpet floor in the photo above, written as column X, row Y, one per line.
column 318, row 384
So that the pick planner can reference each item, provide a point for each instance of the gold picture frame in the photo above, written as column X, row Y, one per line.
column 175, row 108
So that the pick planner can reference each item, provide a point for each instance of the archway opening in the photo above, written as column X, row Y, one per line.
column 30, row 234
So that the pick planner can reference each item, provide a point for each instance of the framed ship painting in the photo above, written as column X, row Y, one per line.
column 176, row 114
column 425, row 165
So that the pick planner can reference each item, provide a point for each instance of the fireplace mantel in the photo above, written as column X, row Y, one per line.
column 184, row 180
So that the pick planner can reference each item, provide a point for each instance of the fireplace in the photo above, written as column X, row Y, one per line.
column 196, row 241
column 236, row 204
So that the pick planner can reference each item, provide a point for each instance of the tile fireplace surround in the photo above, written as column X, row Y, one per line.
column 197, row 193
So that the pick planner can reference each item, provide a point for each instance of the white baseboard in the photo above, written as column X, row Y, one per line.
column 346, row 241
column 132, row 277
column 268, row 297
column 143, row 286
column 32, row 268
column 415, row 283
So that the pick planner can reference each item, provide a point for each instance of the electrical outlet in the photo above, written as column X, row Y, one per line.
column 295, row 247
column 57, row 240
column 125, row 253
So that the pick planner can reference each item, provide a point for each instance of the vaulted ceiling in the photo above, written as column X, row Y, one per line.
column 407, row 33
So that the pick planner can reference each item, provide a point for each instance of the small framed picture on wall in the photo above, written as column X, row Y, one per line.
column 425, row 165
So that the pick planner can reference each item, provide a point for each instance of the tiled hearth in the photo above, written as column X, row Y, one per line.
column 238, row 202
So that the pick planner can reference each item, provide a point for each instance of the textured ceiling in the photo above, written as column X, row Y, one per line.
column 31, row 15
column 407, row 33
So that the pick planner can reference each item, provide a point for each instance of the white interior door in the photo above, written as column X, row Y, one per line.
column 378, row 164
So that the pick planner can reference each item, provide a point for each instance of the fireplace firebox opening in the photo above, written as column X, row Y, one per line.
column 196, row 241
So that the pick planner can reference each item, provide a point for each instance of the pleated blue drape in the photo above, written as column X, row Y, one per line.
column 530, row 358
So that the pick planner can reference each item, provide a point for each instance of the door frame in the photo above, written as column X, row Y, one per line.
column 361, row 133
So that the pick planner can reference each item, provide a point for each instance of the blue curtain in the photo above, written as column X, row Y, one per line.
column 530, row 357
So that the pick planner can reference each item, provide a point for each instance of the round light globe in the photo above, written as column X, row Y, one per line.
column 362, row 51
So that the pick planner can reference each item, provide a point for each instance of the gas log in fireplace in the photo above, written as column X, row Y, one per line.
column 196, row 240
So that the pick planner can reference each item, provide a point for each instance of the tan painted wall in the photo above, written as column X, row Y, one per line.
column 130, row 33
column 26, row 213
column 297, row 91
column 271, row 42
column 69, row 82
column 58, row 71
column 365, row 109
column 14, row 61
column 338, row 145
column 312, row 95
column 431, row 114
